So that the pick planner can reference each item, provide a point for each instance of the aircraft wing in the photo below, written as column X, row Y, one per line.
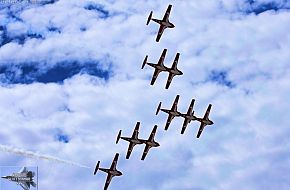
column 153, row 132
column 191, row 107
column 169, row 79
column 114, row 163
column 207, row 111
column 185, row 123
column 136, row 131
column 162, row 57
column 174, row 106
column 130, row 149
column 166, row 16
column 145, row 152
column 175, row 62
column 108, row 180
column 155, row 75
column 169, row 119
column 160, row 32
column 202, row 125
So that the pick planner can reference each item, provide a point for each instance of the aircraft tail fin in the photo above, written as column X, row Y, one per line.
column 149, row 17
column 158, row 108
column 119, row 136
column 97, row 167
column 144, row 62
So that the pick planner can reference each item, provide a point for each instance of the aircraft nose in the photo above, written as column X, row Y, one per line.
column 5, row 177
column 157, row 144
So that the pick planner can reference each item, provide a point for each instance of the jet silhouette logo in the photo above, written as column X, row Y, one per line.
column 26, row 178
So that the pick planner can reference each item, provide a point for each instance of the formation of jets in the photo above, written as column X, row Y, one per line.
column 172, row 113
column 188, row 116
column 160, row 67
column 134, row 140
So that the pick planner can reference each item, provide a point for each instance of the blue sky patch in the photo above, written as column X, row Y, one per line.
column 20, row 39
column 27, row 73
column 63, row 138
column 258, row 8
column 221, row 78
column 99, row 8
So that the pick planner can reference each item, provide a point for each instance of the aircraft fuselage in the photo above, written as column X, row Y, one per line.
column 175, row 72
column 162, row 68
column 190, row 117
column 167, row 24
column 115, row 172
column 135, row 141
column 205, row 121
column 174, row 113
column 152, row 144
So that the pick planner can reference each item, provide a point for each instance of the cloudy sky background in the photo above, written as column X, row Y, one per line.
column 71, row 79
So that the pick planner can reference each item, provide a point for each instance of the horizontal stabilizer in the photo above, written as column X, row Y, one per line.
column 158, row 108
column 144, row 62
column 97, row 167
column 119, row 136
column 149, row 17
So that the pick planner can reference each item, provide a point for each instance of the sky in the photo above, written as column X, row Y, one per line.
column 71, row 78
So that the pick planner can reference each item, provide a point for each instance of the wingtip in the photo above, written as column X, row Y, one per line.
column 142, row 158
column 182, row 131
column 198, row 135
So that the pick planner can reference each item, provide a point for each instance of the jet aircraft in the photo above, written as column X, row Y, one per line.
column 164, row 23
column 171, row 113
column 204, row 121
column 134, row 140
column 24, row 178
column 112, row 171
column 173, row 71
column 188, row 117
column 150, row 143
column 159, row 67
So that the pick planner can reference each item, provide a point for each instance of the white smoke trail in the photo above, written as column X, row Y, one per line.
column 30, row 154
